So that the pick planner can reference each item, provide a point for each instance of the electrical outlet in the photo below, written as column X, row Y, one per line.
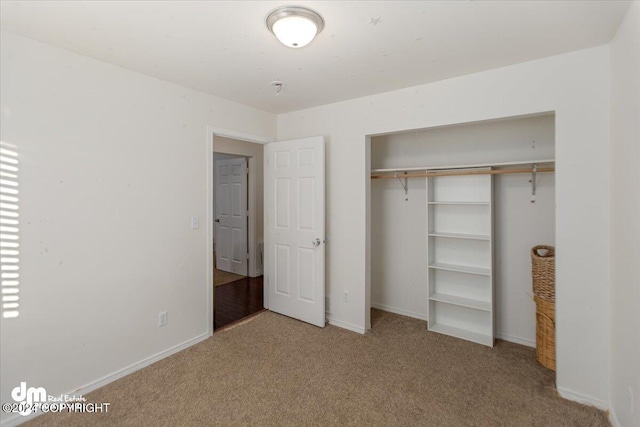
column 632, row 400
column 346, row 296
column 162, row 318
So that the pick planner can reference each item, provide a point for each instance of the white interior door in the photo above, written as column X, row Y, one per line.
column 231, row 215
column 294, row 228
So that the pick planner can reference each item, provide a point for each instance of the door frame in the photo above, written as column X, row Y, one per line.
column 211, row 132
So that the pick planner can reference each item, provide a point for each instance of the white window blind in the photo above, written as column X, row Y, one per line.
column 9, row 231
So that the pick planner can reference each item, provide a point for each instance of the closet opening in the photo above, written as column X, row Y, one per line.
column 454, row 213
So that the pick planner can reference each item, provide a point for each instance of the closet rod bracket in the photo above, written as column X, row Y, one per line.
column 405, row 184
column 534, row 173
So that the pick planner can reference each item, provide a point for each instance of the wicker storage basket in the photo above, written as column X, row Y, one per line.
column 546, row 333
column 543, row 269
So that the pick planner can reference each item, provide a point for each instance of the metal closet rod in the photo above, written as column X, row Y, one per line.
column 396, row 175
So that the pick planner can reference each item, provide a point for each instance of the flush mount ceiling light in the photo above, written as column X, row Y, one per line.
column 295, row 26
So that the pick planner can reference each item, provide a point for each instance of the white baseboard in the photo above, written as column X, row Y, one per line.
column 17, row 419
column 345, row 325
column 101, row 382
column 399, row 311
column 613, row 419
column 517, row 340
column 582, row 398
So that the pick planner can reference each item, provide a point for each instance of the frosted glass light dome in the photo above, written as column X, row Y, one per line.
column 294, row 26
column 295, row 31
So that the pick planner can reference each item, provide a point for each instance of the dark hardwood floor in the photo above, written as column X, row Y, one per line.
column 237, row 300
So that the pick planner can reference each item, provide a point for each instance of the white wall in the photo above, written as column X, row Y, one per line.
column 518, row 226
column 508, row 140
column 576, row 87
column 399, row 245
column 625, row 219
column 112, row 166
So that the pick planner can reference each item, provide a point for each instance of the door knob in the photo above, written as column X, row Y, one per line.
column 217, row 219
column 316, row 242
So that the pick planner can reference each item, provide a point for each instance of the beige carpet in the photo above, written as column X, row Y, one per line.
column 273, row 370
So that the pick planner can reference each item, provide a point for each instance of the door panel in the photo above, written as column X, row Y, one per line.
column 306, row 274
column 283, row 203
column 294, row 229
column 282, row 269
column 306, row 204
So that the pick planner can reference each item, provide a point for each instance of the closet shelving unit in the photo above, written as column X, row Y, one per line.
column 460, row 255
column 460, row 243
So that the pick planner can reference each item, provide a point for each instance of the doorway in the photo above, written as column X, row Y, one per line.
column 237, row 208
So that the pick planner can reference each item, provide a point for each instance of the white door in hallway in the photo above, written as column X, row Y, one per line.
column 294, row 229
column 231, row 215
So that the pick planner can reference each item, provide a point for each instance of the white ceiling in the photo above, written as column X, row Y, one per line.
column 224, row 48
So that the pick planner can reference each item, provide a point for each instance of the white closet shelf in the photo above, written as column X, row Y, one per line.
column 460, row 301
column 462, row 333
column 470, row 166
column 461, row 268
column 460, row 203
column 459, row 236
